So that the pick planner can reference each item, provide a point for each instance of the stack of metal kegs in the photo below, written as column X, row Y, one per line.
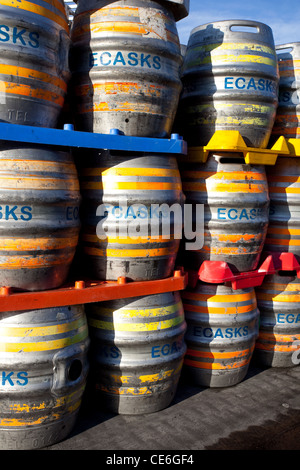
column 125, row 63
column 43, row 352
column 278, row 297
column 230, row 83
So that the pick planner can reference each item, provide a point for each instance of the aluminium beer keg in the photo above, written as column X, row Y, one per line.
column 131, row 214
column 43, row 356
column 283, row 233
column 125, row 62
column 278, row 343
column 137, row 350
column 230, row 82
column 236, row 210
column 39, row 216
column 34, row 38
column 288, row 111
column 222, row 327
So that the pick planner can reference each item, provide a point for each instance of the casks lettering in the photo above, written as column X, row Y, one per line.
column 16, row 213
column 242, row 83
column 12, row 379
column 132, row 59
column 208, row 332
column 238, row 214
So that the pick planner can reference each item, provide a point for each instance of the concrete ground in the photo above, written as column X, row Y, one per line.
column 260, row 413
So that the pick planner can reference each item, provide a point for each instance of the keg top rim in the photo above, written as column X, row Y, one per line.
column 233, row 22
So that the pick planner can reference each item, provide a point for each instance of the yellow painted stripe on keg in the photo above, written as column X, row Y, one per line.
column 70, row 401
column 144, row 312
column 35, row 244
column 159, row 377
column 39, row 346
column 126, row 106
column 32, row 92
column 18, row 164
column 136, row 327
column 218, row 298
column 36, row 262
column 280, row 297
column 236, row 175
column 132, row 186
column 123, row 253
column 33, row 8
column 216, row 57
column 218, row 310
column 48, row 418
column 127, row 241
column 229, row 187
column 232, row 250
column 124, row 391
column 134, row 171
column 24, row 72
column 39, row 183
column 39, row 331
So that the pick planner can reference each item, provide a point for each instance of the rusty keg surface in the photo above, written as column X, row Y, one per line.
column 128, row 238
column 137, row 350
column 283, row 233
column 222, row 326
column 236, row 210
column 230, row 82
column 288, row 112
column 39, row 216
column 279, row 333
column 125, row 62
column 44, row 369
column 35, row 41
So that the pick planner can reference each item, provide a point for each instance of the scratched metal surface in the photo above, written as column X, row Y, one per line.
column 261, row 412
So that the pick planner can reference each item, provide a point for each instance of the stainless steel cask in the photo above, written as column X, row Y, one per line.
column 125, row 63
column 137, row 350
column 35, row 41
column 222, row 327
column 44, row 368
column 230, row 82
column 39, row 216
column 236, row 210
column 128, row 224
column 278, row 343
column 288, row 111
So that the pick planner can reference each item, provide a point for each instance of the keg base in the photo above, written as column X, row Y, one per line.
column 36, row 437
column 215, row 378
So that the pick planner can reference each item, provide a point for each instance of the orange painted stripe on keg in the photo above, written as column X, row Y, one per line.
column 229, row 187
column 33, row 8
column 283, row 231
column 286, row 130
column 218, row 310
column 283, row 65
column 134, row 171
column 287, row 118
column 279, row 297
column 132, row 186
column 223, row 237
column 39, row 183
column 30, row 91
column 283, row 179
column 218, row 298
column 102, row 107
column 128, row 241
column 277, row 287
column 123, row 253
column 218, row 355
column 37, row 244
column 215, row 365
column 35, row 262
column 57, row 4
column 25, row 72
column 114, row 88
column 278, row 241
